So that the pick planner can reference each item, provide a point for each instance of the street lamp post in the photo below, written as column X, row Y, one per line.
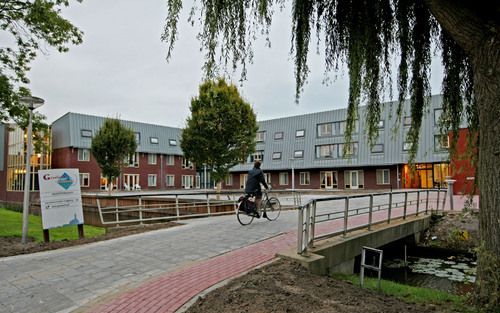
column 32, row 103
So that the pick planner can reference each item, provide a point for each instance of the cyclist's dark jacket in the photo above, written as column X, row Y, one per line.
column 255, row 178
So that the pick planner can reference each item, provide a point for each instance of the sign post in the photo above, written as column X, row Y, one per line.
column 60, row 199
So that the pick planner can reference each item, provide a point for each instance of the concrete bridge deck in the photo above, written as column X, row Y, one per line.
column 159, row 271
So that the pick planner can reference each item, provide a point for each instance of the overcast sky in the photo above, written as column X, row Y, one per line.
column 120, row 69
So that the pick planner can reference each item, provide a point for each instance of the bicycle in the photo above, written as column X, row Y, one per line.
column 270, row 208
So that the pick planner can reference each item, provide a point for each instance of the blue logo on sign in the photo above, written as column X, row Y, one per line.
column 65, row 181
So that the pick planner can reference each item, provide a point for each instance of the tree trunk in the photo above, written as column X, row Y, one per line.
column 474, row 27
column 486, row 65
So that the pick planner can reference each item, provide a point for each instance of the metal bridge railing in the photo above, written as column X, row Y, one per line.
column 368, row 209
column 143, row 207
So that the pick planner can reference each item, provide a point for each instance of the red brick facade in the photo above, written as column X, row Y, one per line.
column 461, row 168
column 68, row 158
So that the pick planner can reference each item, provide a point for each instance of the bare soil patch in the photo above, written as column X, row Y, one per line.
column 10, row 246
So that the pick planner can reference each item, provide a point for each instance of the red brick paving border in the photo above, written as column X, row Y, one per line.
column 171, row 291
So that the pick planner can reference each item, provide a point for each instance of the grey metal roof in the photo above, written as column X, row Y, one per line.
column 67, row 132
column 392, row 141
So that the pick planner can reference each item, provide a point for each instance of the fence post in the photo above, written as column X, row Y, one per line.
column 300, row 230
column 370, row 213
column 437, row 202
column 140, row 210
column 405, row 205
column 346, row 214
column 308, row 225
column 208, row 204
column 418, row 201
column 312, row 221
column 177, row 205
column 390, row 208
column 427, row 203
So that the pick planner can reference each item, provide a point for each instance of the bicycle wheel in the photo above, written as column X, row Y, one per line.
column 243, row 217
column 272, row 208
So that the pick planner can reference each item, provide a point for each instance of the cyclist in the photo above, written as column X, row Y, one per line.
column 252, row 186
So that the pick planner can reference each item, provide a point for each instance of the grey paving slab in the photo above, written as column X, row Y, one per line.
column 63, row 280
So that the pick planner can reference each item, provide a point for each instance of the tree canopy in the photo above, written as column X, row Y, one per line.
column 27, row 27
column 221, row 130
column 111, row 145
column 368, row 36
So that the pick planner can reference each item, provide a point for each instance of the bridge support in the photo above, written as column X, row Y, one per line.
column 337, row 254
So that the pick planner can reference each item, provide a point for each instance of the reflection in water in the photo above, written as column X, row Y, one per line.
column 454, row 274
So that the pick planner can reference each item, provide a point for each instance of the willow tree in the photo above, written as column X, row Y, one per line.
column 368, row 35
column 220, row 132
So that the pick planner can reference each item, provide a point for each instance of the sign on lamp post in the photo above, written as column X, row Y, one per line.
column 32, row 103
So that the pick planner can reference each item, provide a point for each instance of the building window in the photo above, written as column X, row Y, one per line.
column 305, row 178
column 298, row 154
column 138, row 138
column 327, row 151
column 284, row 178
column 84, row 179
column 381, row 124
column 154, row 140
column 186, row 163
column 257, row 156
column 261, row 136
column 170, row 159
column 277, row 156
column 354, row 179
column 151, row 158
column 132, row 160
column 441, row 142
column 86, row 133
column 267, row 178
column 407, row 121
column 348, row 150
column 383, row 177
column 229, row 180
column 172, row 142
column 301, row 133
column 170, row 180
column 83, row 155
column 278, row 135
column 437, row 116
column 378, row 148
column 151, row 180
column 406, row 146
column 187, row 181
column 324, row 130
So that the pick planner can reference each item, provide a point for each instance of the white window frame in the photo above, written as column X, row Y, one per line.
column 152, row 158
column 152, row 181
column 86, row 133
column 257, row 156
column 276, row 155
column 84, row 179
column 267, row 178
column 441, row 142
column 229, row 180
column 300, row 133
column 170, row 159
column 377, row 148
column 406, row 146
column 407, row 121
column 260, row 136
column 83, row 155
column 383, row 176
column 298, row 154
column 186, row 164
column 325, row 129
column 138, row 137
column 187, row 179
column 168, row 182
column 132, row 160
column 279, row 136
column 305, row 178
column 154, row 140
column 437, row 115
column 283, row 180
column 172, row 142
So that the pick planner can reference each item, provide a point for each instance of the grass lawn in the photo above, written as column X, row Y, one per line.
column 413, row 294
column 11, row 226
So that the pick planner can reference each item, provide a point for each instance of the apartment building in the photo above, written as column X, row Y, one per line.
column 299, row 152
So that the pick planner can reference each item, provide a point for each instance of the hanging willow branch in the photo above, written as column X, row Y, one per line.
column 364, row 34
